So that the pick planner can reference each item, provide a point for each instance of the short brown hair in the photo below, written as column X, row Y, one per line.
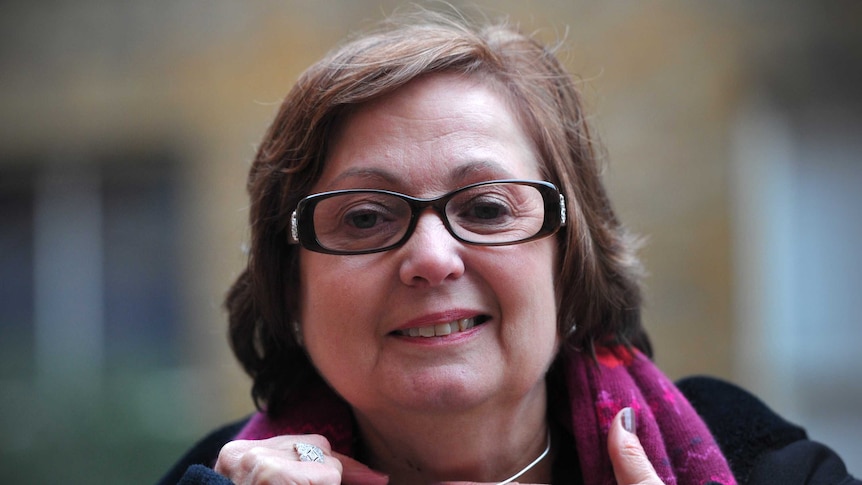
column 597, row 282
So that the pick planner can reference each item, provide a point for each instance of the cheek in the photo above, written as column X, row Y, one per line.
column 525, row 287
column 317, row 312
column 325, row 285
column 320, row 321
column 338, row 298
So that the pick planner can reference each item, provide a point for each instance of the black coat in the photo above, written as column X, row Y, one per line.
column 760, row 446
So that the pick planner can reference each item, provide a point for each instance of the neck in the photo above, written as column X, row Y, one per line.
column 479, row 446
column 526, row 470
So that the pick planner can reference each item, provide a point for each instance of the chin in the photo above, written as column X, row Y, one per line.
column 443, row 394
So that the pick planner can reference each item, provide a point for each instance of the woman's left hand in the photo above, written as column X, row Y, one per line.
column 631, row 465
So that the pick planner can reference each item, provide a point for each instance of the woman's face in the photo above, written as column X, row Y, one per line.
column 436, row 134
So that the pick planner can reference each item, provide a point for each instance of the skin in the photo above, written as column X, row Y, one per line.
column 468, row 406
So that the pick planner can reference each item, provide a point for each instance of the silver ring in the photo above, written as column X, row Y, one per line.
column 309, row 452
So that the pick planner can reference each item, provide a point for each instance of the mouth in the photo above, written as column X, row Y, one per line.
column 443, row 329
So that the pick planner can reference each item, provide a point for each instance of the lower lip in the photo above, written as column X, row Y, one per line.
column 452, row 338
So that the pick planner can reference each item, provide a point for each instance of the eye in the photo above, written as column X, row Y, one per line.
column 369, row 215
column 365, row 217
column 484, row 209
column 482, row 212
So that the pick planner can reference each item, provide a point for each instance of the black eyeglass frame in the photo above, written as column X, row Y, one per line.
column 302, row 227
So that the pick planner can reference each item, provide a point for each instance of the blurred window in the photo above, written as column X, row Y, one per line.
column 88, row 267
column 16, row 271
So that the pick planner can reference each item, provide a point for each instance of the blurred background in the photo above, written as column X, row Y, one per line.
column 127, row 128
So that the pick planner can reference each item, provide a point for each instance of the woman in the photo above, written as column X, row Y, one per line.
column 438, row 289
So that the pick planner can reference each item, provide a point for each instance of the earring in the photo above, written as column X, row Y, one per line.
column 569, row 333
column 297, row 333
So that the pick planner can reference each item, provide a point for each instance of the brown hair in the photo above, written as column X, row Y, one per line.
column 597, row 284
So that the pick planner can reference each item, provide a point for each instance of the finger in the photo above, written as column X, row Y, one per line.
column 276, row 460
column 234, row 452
column 357, row 473
column 263, row 465
column 631, row 465
column 284, row 442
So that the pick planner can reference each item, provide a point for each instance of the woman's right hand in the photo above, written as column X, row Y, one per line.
column 276, row 461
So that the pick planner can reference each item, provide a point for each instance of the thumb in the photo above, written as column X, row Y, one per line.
column 631, row 465
column 357, row 473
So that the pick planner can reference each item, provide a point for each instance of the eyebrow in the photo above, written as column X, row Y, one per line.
column 363, row 173
column 479, row 167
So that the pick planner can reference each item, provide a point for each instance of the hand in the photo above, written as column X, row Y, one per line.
column 631, row 465
column 275, row 461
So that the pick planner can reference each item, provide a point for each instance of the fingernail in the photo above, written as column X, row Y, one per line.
column 628, row 420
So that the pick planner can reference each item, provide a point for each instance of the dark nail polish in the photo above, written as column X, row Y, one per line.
column 628, row 420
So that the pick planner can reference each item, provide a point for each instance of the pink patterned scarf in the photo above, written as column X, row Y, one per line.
column 678, row 443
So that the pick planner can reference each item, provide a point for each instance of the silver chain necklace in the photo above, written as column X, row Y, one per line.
column 532, row 464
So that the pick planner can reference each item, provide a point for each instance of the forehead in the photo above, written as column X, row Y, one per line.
column 434, row 133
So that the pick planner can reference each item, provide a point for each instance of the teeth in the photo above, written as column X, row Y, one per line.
column 440, row 329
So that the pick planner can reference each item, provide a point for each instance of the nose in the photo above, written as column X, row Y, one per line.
column 431, row 256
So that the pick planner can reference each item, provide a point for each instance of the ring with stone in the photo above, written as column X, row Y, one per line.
column 309, row 452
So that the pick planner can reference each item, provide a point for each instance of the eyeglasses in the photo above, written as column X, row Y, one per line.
column 362, row 221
